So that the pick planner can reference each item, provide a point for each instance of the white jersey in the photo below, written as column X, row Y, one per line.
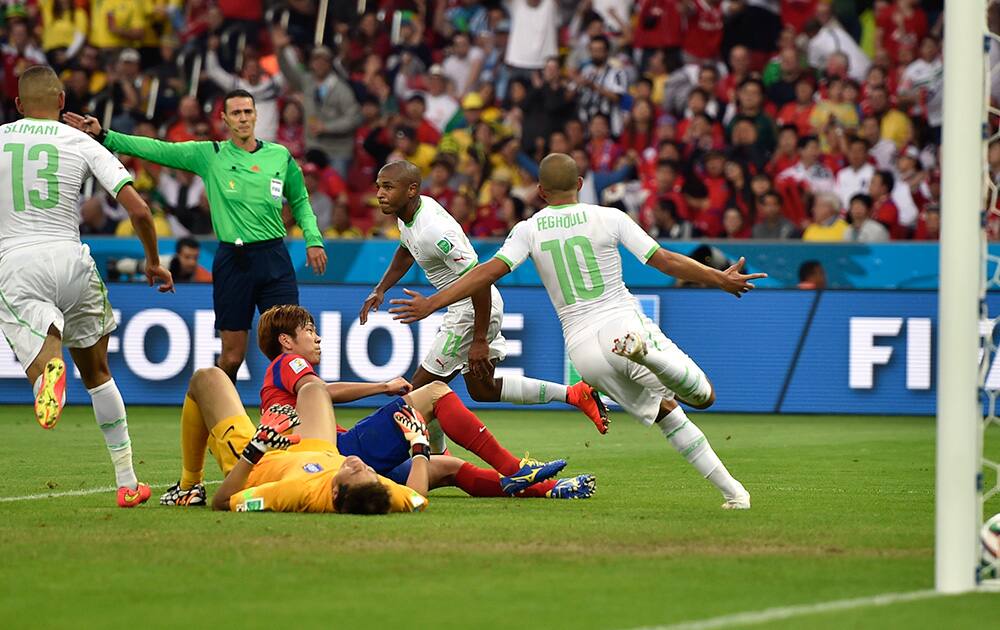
column 436, row 241
column 43, row 164
column 575, row 249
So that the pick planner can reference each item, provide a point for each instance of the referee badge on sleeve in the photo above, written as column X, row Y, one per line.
column 276, row 187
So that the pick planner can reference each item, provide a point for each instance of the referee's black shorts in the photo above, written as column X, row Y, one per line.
column 253, row 275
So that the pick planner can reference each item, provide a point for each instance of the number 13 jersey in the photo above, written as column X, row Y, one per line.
column 43, row 165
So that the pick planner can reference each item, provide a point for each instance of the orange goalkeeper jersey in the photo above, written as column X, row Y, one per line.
column 300, row 480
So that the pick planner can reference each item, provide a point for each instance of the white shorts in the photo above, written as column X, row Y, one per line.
column 629, row 384
column 57, row 285
column 450, row 351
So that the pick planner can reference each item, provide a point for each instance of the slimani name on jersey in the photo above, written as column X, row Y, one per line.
column 36, row 128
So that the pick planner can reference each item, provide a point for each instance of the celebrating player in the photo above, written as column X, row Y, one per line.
column 469, row 339
column 52, row 293
column 245, row 180
column 612, row 344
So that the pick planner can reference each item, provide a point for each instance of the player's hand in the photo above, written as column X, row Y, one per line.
column 316, row 258
column 276, row 420
column 371, row 303
column 87, row 124
column 398, row 386
column 157, row 274
column 412, row 309
column 412, row 426
column 734, row 281
column 479, row 358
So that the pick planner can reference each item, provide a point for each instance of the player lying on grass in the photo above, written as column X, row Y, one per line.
column 469, row 339
column 287, row 335
column 612, row 344
column 213, row 416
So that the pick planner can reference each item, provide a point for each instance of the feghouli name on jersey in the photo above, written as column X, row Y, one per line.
column 564, row 221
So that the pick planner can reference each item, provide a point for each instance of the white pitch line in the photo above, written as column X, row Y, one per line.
column 787, row 612
column 80, row 493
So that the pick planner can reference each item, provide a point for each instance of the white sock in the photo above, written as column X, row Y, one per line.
column 688, row 440
column 522, row 390
column 439, row 443
column 109, row 410
column 688, row 381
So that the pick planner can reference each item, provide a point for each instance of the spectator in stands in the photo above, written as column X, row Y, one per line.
column 116, row 24
column 322, row 203
column 659, row 26
column 438, row 184
column 827, row 36
column 441, row 105
column 771, row 224
column 812, row 276
column 64, row 30
column 667, row 224
column 184, row 263
column 786, row 154
column 181, row 192
column 341, row 226
column 863, row 228
column 894, row 125
column 826, row 226
column 703, row 35
column 252, row 78
column 93, row 220
column 929, row 226
column 781, row 78
column 922, row 86
column 834, row 109
column 189, row 115
column 750, row 104
column 602, row 86
column 809, row 173
column 856, row 177
column 548, row 105
column 291, row 131
column 881, row 150
column 412, row 115
column 463, row 65
column 799, row 112
column 734, row 225
column 332, row 113
column 533, row 35
column 884, row 210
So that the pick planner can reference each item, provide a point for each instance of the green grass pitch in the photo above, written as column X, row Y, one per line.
column 842, row 508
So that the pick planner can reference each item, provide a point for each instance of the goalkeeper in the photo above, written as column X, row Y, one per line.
column 245, row 180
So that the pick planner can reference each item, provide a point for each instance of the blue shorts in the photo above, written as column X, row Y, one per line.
column 378, row 441
column 257, row 275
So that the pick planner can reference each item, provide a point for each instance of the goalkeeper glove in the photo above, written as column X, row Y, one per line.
column 414, row 430
column 273, row 422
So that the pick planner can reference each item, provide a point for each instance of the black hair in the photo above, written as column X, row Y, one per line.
column 805, row 140
column 236, row 94
column 187, row 241
column 808, row 268
column 888, row 179
column 369, row 498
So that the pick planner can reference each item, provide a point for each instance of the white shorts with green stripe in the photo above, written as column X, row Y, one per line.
column 56, row 285
column 450, row 350
column 629, row 384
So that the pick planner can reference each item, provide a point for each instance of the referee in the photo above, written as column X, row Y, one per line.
column 245, row 180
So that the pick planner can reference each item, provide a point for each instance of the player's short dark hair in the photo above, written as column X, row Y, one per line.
column 236, row 94
column 369, row 498
column 805, row 141
column 808, row 268
column 276, row 320
column 603, row 39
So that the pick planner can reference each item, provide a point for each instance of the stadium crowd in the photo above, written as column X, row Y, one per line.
column 769, row 119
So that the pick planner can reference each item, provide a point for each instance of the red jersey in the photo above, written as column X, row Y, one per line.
column 704, row 31
column 659, row 24
column 796, row 13
column 280, row 380
column 899, row 30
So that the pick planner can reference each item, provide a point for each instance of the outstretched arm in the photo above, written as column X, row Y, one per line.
column 187, row 156
column 402, row 260
column 732, row 280
column 417, row 307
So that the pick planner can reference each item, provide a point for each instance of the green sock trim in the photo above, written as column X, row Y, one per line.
column 111, row 425
column 671, row 434
column 121, row 446
column 693, row 446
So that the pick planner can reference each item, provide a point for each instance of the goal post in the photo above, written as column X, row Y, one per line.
column 959, row 412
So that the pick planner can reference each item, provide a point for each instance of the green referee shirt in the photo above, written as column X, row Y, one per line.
column 244, row 188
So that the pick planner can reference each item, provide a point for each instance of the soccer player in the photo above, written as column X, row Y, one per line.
column 613, row 345
column 469, row 339
column 245, row 180
column 214, row 416
column 52, row 295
